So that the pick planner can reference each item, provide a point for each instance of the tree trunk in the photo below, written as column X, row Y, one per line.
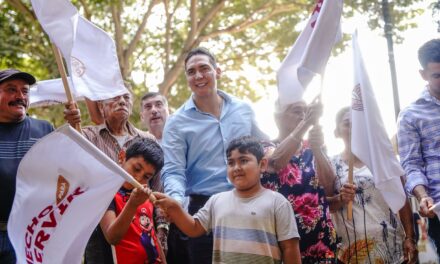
column 388, row 28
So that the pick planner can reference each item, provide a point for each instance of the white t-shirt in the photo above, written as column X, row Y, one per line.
column 247, row 230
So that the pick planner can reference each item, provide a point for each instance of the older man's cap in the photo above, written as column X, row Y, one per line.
column 13, row 74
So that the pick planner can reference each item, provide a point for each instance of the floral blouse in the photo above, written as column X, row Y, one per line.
column 375, row 235
column 299, row 184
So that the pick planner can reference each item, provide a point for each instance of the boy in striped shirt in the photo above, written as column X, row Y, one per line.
column 250, row 224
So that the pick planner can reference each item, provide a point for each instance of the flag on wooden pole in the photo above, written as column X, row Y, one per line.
column 90, row 53
column 64, row 186
column 369, row 140
column 310, row 52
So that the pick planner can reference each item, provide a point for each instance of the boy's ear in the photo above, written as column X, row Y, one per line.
column 263, row 164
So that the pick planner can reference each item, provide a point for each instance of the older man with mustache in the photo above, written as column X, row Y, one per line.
column 113, row 137
column 18, row 132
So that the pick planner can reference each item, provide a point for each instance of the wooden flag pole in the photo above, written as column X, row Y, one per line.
column 350, row 177
column 63, row 74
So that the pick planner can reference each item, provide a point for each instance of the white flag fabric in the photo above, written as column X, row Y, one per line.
column 49, row 92
column 436, row 209
column 369, row 139
column 90, row 53
column 64, row 185
column 310, row 52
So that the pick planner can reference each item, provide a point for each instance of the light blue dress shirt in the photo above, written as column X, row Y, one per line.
column 194, row 145
column 419, row 144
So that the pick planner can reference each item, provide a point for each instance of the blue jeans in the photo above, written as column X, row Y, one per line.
column 200, row 248
column 7, row 253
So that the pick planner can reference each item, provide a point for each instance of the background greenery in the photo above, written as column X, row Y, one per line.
column 153, row 36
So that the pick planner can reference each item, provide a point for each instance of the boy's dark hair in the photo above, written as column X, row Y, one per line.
column 429, row 52
column 201, row 51
column 153, row 94
column 148, row 149
column 246, row 144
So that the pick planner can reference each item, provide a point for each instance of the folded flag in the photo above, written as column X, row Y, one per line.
column 369, row 140
column 310, row 52
column 90, row 53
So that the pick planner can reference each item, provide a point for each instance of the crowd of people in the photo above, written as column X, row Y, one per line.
column 224, row 192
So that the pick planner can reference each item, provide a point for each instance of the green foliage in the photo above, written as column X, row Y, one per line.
column 436, row 13
column 245, row 33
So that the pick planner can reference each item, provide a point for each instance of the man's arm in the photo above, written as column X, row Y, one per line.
column 290, row 251
column 409, row 243
column 115, row 227
column 410, row 153
column 173, row 172
column 185, row 222
column 425, row 201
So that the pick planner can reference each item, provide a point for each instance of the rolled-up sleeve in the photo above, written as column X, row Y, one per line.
column 410, row 152
column 175, row 150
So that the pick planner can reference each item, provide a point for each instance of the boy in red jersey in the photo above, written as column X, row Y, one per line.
column 128, row 223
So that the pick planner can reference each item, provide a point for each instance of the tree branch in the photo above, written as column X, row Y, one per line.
column 167, row 35
column 116, row 16
column 210, row 16
column 87, row 13
column 132, row 45
column 193, row 21
column 249, row 22
column 17, row 4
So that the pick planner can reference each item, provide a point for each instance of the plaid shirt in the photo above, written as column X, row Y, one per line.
column 419, row 144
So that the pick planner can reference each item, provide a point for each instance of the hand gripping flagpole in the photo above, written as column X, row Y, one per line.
column 63, row 74
column 153, row 199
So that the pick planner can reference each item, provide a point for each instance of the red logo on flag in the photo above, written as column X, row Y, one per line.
column 315, row 13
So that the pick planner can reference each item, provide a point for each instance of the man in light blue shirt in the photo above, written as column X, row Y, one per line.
column 196, row 137
column 419, row 139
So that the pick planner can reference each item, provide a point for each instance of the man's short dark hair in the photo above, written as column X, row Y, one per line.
column 201, row 51
column 429, row 52
column 148, row 149
column 246, row 144
column 153, row 94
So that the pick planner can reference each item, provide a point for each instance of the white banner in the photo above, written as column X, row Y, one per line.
column 369, row 139
column 310, row 52
column 64, row 186
column 90, row 53
column 49, row 92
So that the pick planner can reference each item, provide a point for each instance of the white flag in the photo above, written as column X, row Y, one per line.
column 436, row 209
column 64, row 186
column 369, row 139
column 310, row 52
column 49, row 92
column 90, row 53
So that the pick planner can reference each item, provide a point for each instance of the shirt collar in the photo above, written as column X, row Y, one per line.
column 426, row 96
column 191, row 105
column 130, row 128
